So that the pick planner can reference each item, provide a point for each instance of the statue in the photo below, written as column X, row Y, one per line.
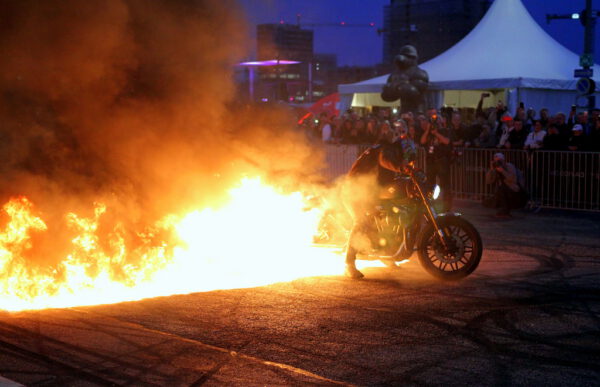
column 407, row 82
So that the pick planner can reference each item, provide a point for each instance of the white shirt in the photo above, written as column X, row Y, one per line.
column 504, row 137
column 326, row 133
column 535, row 139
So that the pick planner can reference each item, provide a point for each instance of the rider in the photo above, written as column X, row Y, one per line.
column 370, row 175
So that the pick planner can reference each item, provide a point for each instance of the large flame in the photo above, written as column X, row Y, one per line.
column 260, row 236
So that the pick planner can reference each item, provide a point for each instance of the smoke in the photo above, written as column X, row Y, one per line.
column 130, row 103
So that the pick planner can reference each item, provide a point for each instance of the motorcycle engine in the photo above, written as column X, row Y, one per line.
column 389, row 220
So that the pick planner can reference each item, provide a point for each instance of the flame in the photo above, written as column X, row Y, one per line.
column 260, row 236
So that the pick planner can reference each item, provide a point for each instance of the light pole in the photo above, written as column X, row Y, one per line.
column 585, row 85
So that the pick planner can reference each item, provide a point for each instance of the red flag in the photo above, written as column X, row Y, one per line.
column 327, row 104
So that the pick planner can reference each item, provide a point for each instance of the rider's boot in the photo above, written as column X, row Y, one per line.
column 351, row 270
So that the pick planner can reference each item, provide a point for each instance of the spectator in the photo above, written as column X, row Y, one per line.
column 326, row 132
column 594, row 137
column 530, row 119
column 508, row 192
column 422, row 123
column 500, row 112
column 486, row 138
column 458, row 130
column 400, row 126
column 412, row 133
column 581, row 118
column 544, row 117
column 503, row 131
column 553, row 140
column 476, row 131
column 595, row 117
column 535, row 139
column 577, row 139
column 516, row 137
column 409, row 118
column 361, row 130
column 371, row 133
column 561, row 124
column 522, row 116
column 348, row 132
column 438, row 144
column 385, row 132
column 336, row 129
column 520, row 113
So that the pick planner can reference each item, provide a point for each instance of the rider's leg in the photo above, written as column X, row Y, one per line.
column 353, row 242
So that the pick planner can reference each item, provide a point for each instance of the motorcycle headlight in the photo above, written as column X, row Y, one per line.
column 436, row 192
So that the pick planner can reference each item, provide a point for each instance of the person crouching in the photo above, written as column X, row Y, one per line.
column 508, row 193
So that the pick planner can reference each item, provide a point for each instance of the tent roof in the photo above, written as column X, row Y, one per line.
column 506, row 49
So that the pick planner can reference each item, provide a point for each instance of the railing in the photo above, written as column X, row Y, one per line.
column 562, row 180
column 568, row 180
column 470, row 166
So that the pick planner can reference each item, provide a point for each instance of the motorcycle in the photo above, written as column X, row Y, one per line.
column 448, row 246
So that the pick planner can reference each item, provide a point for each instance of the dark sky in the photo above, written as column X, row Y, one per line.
column 362, row 46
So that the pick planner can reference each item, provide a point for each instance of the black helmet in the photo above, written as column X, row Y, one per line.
column 409, row 51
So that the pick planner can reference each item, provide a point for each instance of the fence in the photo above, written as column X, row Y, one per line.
column 562, row 180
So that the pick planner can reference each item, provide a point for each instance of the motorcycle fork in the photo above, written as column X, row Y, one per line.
column 432, row 214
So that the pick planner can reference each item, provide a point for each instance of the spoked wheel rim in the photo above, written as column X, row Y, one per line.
column 458, row 253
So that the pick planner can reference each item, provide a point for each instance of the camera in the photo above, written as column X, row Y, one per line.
column 434, row 119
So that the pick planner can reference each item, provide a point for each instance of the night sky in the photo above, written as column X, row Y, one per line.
column 362, row 46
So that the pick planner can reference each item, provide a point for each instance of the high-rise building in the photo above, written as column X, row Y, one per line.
column 324, row 75
column 284, row 42
column 432, row 26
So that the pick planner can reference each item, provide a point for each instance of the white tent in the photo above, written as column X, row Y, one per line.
column 507, row 53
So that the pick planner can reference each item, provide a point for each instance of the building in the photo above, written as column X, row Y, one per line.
column 316, row 76
column 432, row 26
column 284, row 42
column 324, row 75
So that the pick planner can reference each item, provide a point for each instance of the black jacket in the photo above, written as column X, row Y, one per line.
column 384, row 160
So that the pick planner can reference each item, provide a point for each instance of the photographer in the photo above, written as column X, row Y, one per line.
column 437, row 142
column 509, row 194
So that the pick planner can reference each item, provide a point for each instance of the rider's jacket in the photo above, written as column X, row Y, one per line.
column 385, row 160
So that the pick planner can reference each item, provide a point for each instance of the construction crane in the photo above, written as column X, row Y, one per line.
column 342, row 23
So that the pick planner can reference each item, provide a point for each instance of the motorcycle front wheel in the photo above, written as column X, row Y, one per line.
column 455, row 259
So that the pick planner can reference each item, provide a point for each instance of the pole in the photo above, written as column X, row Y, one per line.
column 588, row 43
column 310, row 86
column 251, row 75
column 590, row 27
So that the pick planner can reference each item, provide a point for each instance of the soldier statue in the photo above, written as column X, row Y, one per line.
column 407, row 82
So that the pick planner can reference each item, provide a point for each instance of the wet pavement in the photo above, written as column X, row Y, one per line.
column 530, row 314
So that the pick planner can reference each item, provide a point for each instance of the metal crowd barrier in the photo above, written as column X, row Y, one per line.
column 470, row 166
column 338, row 159
column 569, row 180
column 561, row 180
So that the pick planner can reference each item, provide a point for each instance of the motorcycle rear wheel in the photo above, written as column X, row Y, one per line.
column 462, row 254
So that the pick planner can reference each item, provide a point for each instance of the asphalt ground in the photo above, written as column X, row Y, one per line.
column 529, row 315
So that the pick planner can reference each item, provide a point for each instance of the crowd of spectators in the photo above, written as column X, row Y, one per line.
column 494, row 128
